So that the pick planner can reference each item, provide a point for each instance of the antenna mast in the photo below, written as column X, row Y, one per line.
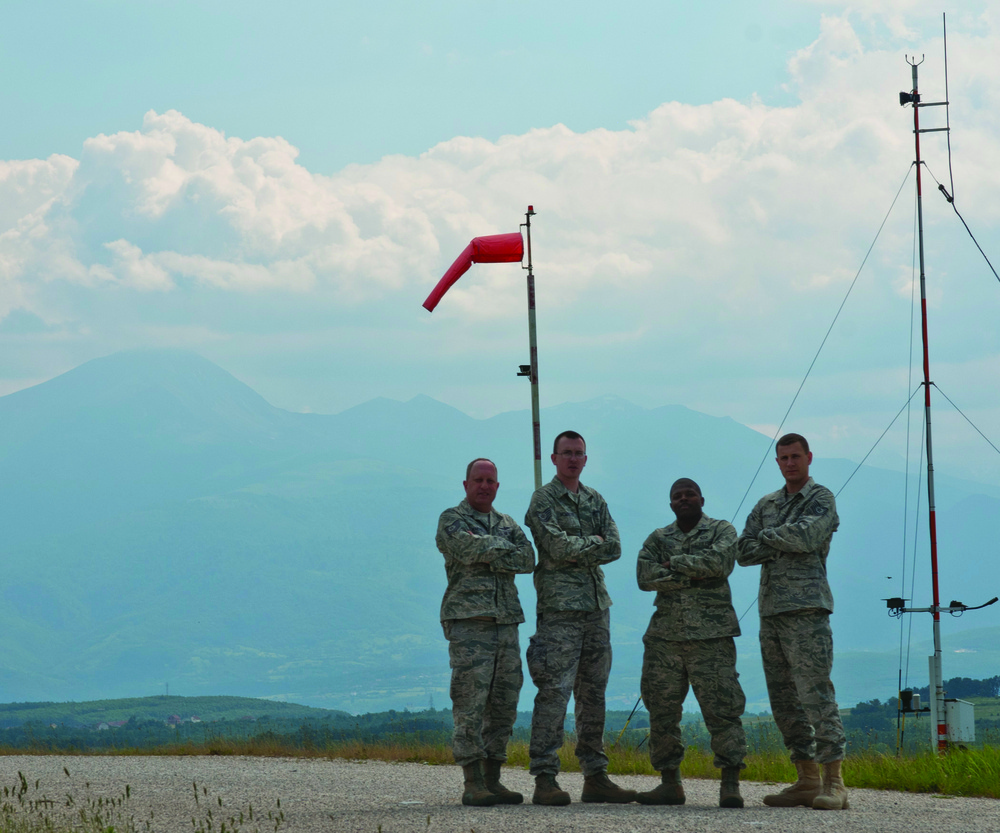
column 936, row 675
column 941, row 721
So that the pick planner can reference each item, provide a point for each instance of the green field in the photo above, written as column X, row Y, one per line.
column 206, row 709
column 151, row 723
column 246, row 726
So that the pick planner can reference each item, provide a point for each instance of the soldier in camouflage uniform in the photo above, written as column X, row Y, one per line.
column 570, row 652
column 788, row 533
column 690, row 640
column 483, row 549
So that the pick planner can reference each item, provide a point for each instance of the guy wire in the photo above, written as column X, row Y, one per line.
column 840, row 309
column 947, row 104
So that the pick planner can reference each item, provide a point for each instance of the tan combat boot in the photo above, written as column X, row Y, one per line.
column 834, row 794
column 803, row 792
column 729, row 790
column 670, row 790
column 492, row 779
column 476, row 794
column 600, row 789
column 548, row 791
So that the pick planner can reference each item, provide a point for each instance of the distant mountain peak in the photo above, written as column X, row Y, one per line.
column 421, row 403
column 608, row 402
column 130, row 369
column 145, row 389
column 429, row 404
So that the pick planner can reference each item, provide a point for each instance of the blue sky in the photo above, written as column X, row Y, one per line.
column 278, row 189
column 351, row 82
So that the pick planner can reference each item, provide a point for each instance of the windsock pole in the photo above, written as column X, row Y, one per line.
column 503, row 248
column 531, row 370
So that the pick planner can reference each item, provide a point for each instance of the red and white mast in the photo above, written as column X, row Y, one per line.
column 939, row 728
column 940, row 731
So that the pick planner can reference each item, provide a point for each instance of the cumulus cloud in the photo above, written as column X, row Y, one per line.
column 678, row 193
column 28, row 187
column 725, row 230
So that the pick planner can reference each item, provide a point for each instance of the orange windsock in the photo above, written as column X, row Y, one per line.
column 494, row 248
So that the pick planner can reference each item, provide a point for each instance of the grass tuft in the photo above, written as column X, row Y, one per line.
column 26, row 808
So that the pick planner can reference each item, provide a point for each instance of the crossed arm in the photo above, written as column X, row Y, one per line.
column 805, row 534
column 461, row 543
column 662, row 566
column 564, row 550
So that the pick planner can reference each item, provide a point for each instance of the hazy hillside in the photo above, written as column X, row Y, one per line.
column 166, row 525
column 161, row 708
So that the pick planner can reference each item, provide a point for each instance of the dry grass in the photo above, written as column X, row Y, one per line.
column 967, row 772
column 26, row 807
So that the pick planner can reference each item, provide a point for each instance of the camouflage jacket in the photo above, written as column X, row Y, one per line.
column 692, row 595
column 789, row 536
column 565, row 527
column 482, row 552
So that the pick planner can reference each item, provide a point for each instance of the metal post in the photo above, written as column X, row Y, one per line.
column 536, row 430
column 939, row 725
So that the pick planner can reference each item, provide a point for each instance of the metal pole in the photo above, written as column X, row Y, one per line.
column 536, row 429
column 939, row 730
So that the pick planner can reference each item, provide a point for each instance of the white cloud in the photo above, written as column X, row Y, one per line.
column 685, row 191
column 675, row 258
column 294, row 275
column 132, row 269
column 28, row 187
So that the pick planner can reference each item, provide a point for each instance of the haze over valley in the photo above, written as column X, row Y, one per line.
column 166, row 526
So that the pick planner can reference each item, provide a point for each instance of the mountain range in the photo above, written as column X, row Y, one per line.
column 166, row 527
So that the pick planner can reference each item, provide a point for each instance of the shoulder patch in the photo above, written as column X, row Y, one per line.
column 453, row 527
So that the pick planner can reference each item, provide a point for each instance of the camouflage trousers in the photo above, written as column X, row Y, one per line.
column 797, row 650
column 486, row 680
column 709, row 666
column 570, row 653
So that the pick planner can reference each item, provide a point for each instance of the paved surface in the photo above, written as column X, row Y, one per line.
column 371, row 796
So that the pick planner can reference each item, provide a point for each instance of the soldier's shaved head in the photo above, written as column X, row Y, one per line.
column 468, row 468
column 685, row 482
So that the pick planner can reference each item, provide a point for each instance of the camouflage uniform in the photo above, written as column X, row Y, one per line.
column 690, row 640
column 570, row 652
column 479, row 614
column 789, row 536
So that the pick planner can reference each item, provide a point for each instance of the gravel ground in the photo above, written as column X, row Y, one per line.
column 372, row 796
